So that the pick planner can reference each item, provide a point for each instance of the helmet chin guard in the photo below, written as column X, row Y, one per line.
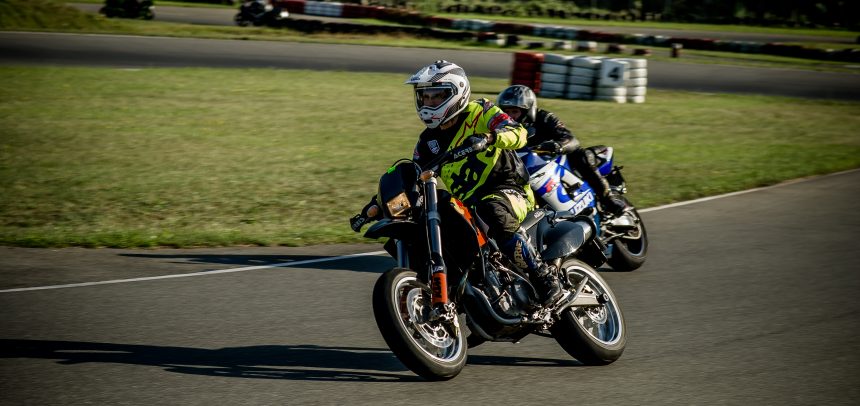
column 441, row 92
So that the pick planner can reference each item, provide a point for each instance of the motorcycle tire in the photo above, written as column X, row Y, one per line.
column 628, row 254
column 434, row 350
column 594, row 335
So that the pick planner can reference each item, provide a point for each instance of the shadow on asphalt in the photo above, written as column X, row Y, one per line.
column 373, row 264
column 293, row 362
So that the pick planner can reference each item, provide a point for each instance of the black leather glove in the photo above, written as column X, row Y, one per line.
column 360, row 219
column 479, row 142
column 550, row 146
column 357, row 221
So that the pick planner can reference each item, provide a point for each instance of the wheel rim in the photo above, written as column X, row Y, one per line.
column 603, row 323
column 435, row 339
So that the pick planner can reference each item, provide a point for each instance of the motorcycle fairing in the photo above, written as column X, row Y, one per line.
column 604, row 157
column 583, row 198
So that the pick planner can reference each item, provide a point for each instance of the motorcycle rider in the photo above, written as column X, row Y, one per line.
column 548, row 133
column 495, row 182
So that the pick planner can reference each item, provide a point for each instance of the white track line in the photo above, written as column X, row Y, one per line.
column 313, row 261
column 185, row 275
column 742, row 192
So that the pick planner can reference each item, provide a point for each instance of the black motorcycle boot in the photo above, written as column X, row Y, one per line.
column 525, row 256
column 547, row 284
column 613, row 203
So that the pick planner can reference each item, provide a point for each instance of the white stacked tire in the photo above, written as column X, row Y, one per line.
column 554, row 73
column 637, row 81
column 583, row 77
column 612, row 81
column 319, row 8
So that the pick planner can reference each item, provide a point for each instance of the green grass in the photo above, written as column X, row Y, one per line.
column 200, row 157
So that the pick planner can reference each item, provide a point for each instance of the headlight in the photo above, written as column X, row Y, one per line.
column 398, row 204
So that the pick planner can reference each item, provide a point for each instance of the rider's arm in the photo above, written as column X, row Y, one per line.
column 506, row 132
column 552, row 128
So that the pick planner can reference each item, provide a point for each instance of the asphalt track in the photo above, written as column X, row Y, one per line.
column 746, row 299
column 141, row 52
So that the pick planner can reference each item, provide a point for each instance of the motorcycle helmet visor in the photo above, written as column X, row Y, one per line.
column 434, row 95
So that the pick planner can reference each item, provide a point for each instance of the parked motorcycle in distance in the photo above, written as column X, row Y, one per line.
column 259, row 13
column 450, row 276
column 556, row 186
column 143, row 9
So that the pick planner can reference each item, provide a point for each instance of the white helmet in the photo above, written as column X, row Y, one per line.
column 446, row 85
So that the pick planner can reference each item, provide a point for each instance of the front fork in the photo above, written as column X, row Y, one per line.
column 442, row 307
column 439, row 273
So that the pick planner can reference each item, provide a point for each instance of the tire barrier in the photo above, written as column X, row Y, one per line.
column 293, row 6
column 619, row 80
column 586, row 46
column 319, row 8
column 527, row 70
column 472, row 25
column 334, row 9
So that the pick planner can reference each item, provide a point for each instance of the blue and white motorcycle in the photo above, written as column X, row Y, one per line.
column 558, row 187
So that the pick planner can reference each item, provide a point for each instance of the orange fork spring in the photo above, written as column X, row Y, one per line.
column 440, row 288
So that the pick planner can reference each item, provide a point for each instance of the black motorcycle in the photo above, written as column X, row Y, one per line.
column 143, row 9
column 259, row 13
column 451, row 277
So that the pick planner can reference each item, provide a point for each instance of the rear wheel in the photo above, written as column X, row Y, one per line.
column 630, row 250
column 435, row 350
column 594, row 335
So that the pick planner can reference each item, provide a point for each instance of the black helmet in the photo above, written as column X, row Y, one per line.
column 522, row 97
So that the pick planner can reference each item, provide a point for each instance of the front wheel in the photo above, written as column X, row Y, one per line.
column 435, row 350
column 594, row 335
column 630, row 250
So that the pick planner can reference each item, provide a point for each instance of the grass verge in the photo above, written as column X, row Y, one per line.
column 203, row 157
